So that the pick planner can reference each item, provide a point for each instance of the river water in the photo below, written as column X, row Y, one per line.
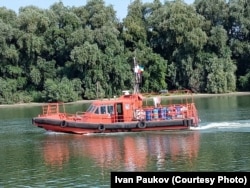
column 32, row 157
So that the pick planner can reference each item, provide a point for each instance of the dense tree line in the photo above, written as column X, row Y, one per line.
column 71, row 53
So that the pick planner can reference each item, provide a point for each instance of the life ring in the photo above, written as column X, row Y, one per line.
column 141, row 124
column 101, row 128
column 63, row 124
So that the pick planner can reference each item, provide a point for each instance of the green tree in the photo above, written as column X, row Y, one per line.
column 62, row 90
column 219, row 68
column 239, row 37
column 134, row 30
column 176, row 34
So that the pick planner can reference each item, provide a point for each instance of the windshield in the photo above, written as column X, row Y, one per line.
column 91, row 108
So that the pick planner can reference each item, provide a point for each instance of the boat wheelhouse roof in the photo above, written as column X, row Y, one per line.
column 121, row 99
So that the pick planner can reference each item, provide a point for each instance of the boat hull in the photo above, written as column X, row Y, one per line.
column 78, row 127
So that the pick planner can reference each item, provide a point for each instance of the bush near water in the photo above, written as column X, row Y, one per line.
column 71, row 53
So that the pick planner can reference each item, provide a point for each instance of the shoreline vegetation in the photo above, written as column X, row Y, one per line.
column 66, row 53
column 146, row 96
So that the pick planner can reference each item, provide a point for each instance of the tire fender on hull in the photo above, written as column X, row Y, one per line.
column 63, row 124
column 141, row 124
column 101, row 128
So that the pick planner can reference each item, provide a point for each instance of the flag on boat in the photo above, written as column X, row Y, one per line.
column 141, row 68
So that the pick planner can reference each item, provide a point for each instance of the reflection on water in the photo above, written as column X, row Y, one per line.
column 134, row 151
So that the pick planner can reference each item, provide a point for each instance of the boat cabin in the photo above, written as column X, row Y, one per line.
column 122, row 109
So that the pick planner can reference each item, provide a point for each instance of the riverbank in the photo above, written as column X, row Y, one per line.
column 194, row 95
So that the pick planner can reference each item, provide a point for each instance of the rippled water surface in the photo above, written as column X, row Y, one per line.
column 31, row 157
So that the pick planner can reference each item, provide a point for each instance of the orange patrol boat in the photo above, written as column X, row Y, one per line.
column 123, row 114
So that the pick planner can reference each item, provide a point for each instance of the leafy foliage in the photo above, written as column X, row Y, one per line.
column 71, row 53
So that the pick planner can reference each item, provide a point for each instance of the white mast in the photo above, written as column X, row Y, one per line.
column 137, row 80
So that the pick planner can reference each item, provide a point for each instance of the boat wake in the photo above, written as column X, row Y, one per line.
column 54, row 133
column 224, row 125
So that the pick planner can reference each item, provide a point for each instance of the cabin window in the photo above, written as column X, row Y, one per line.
column 91, row 108
column 110, row 109
column 97, row 111
column 103, row 110
column 119, row 108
